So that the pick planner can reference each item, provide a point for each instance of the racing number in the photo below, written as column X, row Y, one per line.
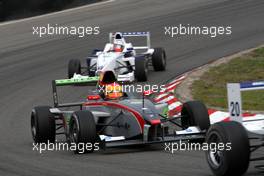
column 235, row 109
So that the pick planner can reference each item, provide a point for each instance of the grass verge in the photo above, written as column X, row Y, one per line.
column 211, row 87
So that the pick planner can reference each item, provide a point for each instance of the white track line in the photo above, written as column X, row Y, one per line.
column 56, row 13
column 166, row 99
column 174, row 105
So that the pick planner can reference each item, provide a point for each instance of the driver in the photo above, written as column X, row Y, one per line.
column 113, row 91
column 118, row 43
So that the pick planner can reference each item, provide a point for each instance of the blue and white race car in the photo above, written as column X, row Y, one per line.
column 121, row 60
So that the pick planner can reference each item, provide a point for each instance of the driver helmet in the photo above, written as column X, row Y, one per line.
column 113, row 91
column 118, row 42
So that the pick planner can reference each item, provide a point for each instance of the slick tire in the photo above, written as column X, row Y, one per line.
column 195, row 113
column 141, row 70
column 83, row 130
column 74, row 66
column 159, row 59
column 232, row 161
column 43, row 125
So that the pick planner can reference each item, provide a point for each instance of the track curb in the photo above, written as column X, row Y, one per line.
column 175, row 98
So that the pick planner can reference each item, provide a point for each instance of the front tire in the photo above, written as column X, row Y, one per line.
column 195, row 113
column 74, row 66
column 228, row 162
column 159, row 59
column 43, row 125
column 141, row 70
column 83, row 130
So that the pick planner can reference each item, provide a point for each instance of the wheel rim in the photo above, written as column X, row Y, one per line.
column 215, row 158
column 33, row 126
column 74, row 132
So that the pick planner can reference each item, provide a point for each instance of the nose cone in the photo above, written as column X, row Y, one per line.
column 107, row 77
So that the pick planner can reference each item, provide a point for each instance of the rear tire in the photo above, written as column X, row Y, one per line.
column 43, row 125
column 141, row 70
column 74, row 66
column 195, row 113
column 228, row 162
column 83, row 130
column 159, row 59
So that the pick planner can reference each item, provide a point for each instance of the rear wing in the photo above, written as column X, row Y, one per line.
column 134, row 34
column 234, row 97
column 68, row 82
column 259, row 85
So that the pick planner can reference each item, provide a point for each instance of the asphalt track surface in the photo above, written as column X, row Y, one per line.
column 28, row 64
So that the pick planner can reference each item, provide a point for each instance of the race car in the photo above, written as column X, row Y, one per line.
column 127, row 62
column 114, row 118
column 244, row 135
